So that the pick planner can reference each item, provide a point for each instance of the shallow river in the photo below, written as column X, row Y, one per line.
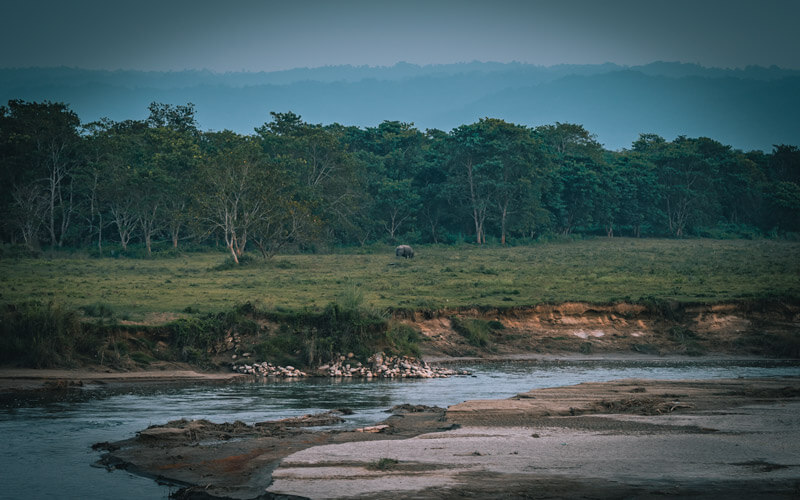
column 46, row 439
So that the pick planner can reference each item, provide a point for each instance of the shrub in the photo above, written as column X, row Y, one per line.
column 476, row 331
column 244, row 260
column 384, row 464
column 687, row 339
column 403, row 339
column 98, row 310
column 142, row 357
column 43, row 335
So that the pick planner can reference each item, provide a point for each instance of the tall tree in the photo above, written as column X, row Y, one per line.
column 325, row 174
column 236, row 191
column 40, row 145
column 686, row 169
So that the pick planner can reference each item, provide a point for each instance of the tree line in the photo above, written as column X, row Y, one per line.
column 302, row 185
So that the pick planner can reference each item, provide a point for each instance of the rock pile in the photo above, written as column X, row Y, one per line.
column 379, row 365
column 269, row 370
column 382, row 366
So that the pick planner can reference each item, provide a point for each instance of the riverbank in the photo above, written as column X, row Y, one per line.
column 22, row 380
column 45, row 335
column 29, row 379
column 641, row 438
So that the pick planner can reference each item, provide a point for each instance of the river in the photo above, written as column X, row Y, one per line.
column 47, row 438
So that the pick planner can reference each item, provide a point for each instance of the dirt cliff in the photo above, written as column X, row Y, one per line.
column 764, row 329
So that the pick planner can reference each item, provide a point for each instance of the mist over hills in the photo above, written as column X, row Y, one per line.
column 750, row 108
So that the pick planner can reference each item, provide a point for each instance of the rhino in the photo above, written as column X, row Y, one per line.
column 404, row 251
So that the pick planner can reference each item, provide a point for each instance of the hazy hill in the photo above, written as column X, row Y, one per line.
column 749, row 108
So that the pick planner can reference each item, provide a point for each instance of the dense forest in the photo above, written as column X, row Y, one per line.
column 294, row 185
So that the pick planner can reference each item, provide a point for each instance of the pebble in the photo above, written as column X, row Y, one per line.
column 379, row 365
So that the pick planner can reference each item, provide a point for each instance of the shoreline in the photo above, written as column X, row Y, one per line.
column 643, row 438
column 33, row 379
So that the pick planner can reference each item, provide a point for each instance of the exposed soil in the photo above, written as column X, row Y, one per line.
column 764, row 329
column 735, row 329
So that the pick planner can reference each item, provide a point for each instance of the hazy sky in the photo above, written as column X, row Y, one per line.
column 231, row 35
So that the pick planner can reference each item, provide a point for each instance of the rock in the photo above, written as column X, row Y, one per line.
column 374, row 428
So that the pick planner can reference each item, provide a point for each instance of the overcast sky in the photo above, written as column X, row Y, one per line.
column 271, row 35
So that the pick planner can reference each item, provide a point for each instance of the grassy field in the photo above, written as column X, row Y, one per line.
column 597, row 270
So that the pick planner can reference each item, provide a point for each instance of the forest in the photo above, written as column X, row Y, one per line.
column 161, row 184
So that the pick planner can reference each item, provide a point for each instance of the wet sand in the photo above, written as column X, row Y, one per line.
column 634, row 438
column 29, row 379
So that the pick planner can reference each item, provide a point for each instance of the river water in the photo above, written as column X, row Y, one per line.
column 46, row 439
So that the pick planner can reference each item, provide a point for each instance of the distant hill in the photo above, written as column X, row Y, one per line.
column 751, row 108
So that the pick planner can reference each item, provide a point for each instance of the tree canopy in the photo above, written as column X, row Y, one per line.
column 293, row 184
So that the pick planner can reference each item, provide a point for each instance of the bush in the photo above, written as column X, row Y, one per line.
column 192, row 338
column 404, row 340
column 43, row 335
column 98, row 310
column 142, row 358
column 384, row 464
column 476, row 331
column 686, row 338
column 244, row 260
column 346, row 325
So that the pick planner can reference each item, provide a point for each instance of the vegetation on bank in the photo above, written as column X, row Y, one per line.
column 599, row 270
column 44, row 335
column 306, row 309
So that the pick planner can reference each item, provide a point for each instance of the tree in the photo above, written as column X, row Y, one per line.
column 470, row 185
column 172, row 154
column 396, row 203
column 236, row 190
column 781, row 191
column 564, row 140
column 40, row 147
column 119, row 169
column 578, row 185
column 29, row 205
column 495, row 165
column 639, row 192
column 687, row 168
column 326, row 178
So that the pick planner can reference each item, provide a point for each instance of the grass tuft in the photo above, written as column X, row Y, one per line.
column 476, row 331
column 384, row 464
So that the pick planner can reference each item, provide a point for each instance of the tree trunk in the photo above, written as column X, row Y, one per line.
column 233, row 253
column 504, row 214
column 100, row 235
column 52, row 210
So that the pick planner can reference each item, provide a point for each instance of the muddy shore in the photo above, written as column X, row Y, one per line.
column 640, row 438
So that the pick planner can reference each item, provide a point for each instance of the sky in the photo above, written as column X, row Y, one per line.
column 270, row 35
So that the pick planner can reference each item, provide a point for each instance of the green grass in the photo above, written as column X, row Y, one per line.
column 475, row 330
column 596, row 270
column 383, row 464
